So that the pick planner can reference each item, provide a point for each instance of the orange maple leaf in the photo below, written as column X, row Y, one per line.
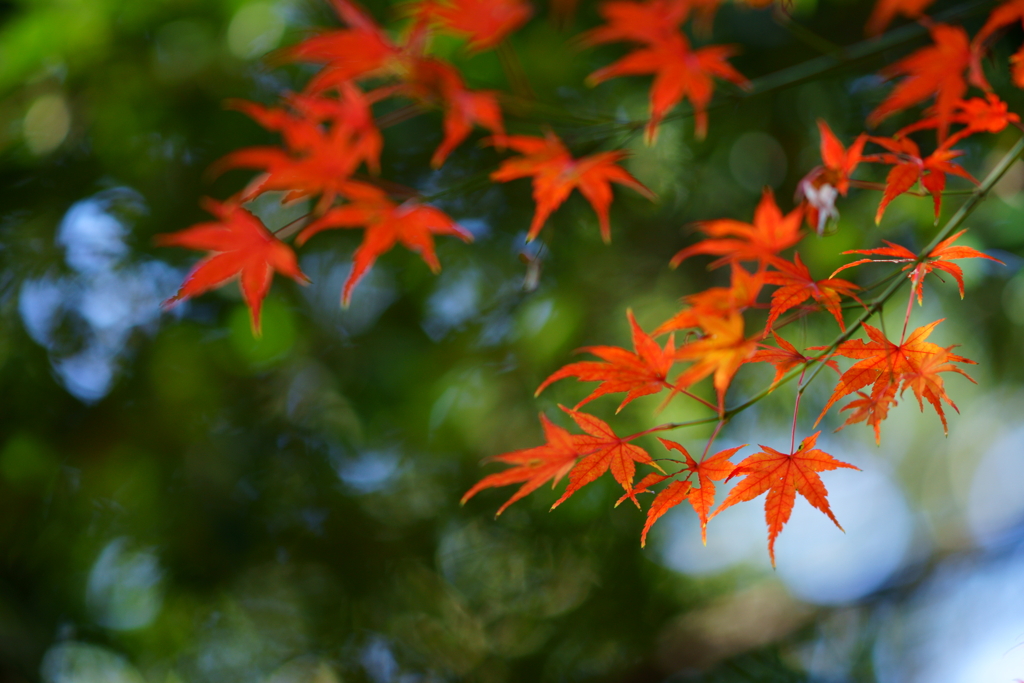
column 873, row 408
column 318, row 160
column 602, row 451
column 796, row 286
column 1004, row 15
column 680, row 72
column 735, row 241
column 639, row 374
column 642, row 486
column 650, row 22
column 977, row 115
column 411, row 223
column 783, row 475
column 820, row 187
column 926, row 384
column 935, row 70
column 438, row 83
column 670, row 496
column 532, row 466
column 556, row 174
column 241, row 247
column 909, row 167
column 886, row 10
column 708, row 471
column 360, row 51
column 722, row 351
column 885, row 364
column 938, row 258
column 716, row 301
column 785, row 357
column 484, row 22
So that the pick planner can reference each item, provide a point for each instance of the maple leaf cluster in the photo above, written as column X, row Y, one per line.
column 716, row 344
column 330, row 156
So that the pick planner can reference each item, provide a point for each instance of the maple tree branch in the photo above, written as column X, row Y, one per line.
column 796, row 411
column 875, row 306
column 965, row 210
column 819, row 66
column 868, row 185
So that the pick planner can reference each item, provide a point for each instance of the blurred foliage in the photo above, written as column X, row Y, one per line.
column 181, row 502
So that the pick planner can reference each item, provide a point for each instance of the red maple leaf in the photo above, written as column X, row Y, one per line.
column 240, row 246
column 708, row 471
column 873, row 408
column 484, row 22
column 783, row 475
column 680, row 72
column 909, row 167
column 639, row 374
column 735, row 241
column 785, row 357
column 1007, row 13
column 926, row 384
column 938, row 258
column 886, row 10
column 884, row 364
column 360, row 51
column 532, row 467
column 438, row 83
column 716, row 301
column 650, row 22
column 603, row 451
column 936, row 70
column 820, row 187
column 977, row 115
column 796, row 286
column 387, row 224
column 721, row 352
column 556, row 174
column 318, row 160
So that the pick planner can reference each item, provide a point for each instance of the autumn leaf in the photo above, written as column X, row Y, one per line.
column 873, row 408
column 650, row 22
column 484, row 22
column 241, row 246
column 909, row 167
column 639, row 374
column 784, row 358
column 937, row 259
column 556, row 174
column 360, row 51
column 977, row 115
column 796, row 286
column 642, row 486
column 670, row 496
column 603, row 451
column 720, row 352
column 1005, row 14
column 708, row 471
column 412, row 224
column 716, row 301
column 318, row 160
column 886, row 10
column 783, row 475
column 822, row 184
column 926, row 384
column 438, row 83
column 679, row 73
column 533, row 467
column 735, row 241
column 936, row 71
column 884, row 364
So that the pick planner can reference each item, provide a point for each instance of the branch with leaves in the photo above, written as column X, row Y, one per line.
column 330, row 156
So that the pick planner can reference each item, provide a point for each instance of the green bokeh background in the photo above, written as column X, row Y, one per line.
column 286, row 509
